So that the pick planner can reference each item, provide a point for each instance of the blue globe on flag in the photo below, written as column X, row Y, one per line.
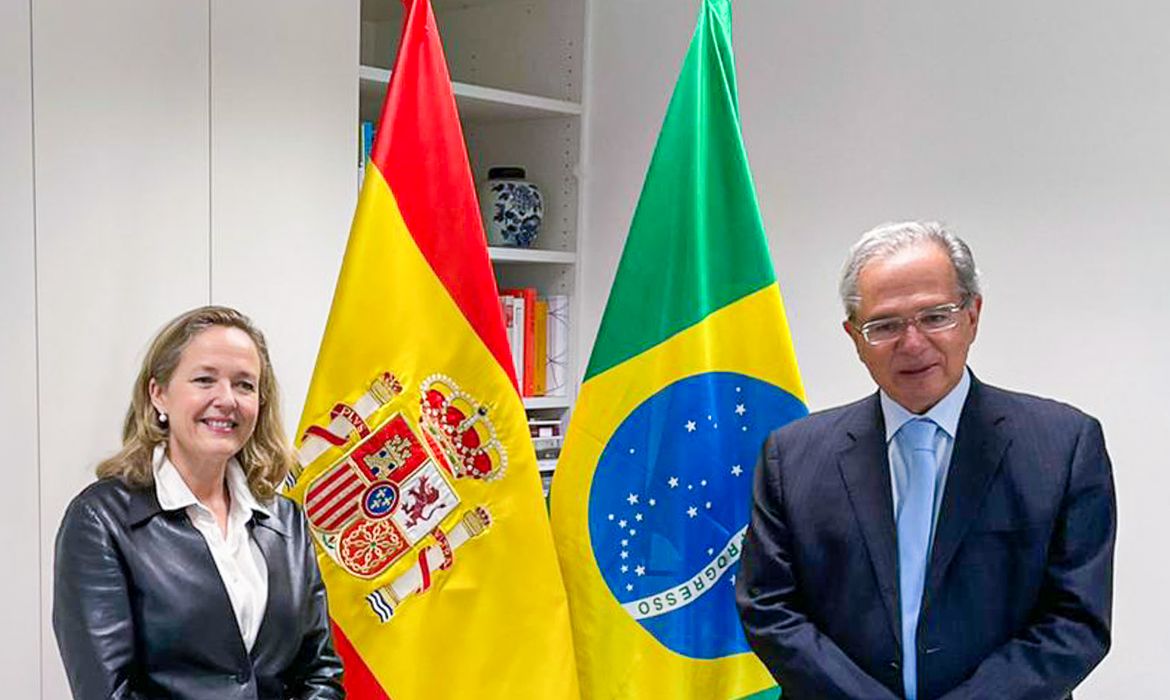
column 670, row 501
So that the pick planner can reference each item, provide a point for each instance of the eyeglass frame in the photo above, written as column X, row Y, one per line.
column 907, row 321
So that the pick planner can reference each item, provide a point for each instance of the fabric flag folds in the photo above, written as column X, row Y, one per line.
column 692, row 366
column 418, row 473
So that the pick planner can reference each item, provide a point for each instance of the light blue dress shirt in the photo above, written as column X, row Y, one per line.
column 945, row 414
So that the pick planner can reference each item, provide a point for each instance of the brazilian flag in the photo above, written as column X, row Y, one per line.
column 692, row 367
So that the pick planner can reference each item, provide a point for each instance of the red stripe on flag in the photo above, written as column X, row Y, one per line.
column 359, row 683
column 333, row 512
column 326, row 490
column 420, row 151
column 336, row 519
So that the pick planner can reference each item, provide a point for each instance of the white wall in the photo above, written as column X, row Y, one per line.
column 1037, row 130
column 283, row 170
column 185, row 153
column 19, row 593
column 121, row 181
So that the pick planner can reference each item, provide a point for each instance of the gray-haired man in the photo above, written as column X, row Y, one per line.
column 941, row 538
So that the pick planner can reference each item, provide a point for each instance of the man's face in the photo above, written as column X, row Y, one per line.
column 917, row 369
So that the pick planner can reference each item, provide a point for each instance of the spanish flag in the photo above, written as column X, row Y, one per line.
column 693, row 365
column 418, row 474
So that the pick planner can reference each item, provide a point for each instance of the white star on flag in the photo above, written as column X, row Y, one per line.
column 691, row 512
column 625, row 568
column 622, row 524
column 638, row 517
column 673, row 482
column 736, row 470
column 690, row 426
column 640, row 570
column 739, row 409
column 632, row 498
column 625, row 554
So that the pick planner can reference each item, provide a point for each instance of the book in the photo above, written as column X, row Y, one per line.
column 545, row 427
column 508, row 305
column 524, row 300
column 365, row 146
column 540, row 354
column 557, row 375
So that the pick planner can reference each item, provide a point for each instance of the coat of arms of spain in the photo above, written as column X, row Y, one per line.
column 394, row 485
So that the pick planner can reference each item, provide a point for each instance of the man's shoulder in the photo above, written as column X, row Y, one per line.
column 829, row 420
column 1018, row 405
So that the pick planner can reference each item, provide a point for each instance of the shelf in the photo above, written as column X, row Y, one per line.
column 391, row 10
column 478, row 103
column 533, row 402
column 531, row 256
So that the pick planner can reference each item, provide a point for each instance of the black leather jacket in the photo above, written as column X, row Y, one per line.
column 140, row 611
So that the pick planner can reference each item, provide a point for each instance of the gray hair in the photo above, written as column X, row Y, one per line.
column 887, row 239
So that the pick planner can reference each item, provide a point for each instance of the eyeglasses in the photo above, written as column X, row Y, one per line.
column 933, row 320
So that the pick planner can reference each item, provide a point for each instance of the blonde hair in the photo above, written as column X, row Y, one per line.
column 265, row 458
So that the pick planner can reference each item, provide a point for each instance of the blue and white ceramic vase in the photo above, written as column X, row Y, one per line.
column 512, row 208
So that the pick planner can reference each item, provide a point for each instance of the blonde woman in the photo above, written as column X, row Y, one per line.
column 181, row 573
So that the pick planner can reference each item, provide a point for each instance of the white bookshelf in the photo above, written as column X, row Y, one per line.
column 531, row 256
column 478, row 103
column 536, row 403
column 516, row 70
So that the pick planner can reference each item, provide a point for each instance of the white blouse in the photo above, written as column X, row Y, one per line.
column 238, row 558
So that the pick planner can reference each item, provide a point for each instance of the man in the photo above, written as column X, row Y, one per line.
column 941, row 538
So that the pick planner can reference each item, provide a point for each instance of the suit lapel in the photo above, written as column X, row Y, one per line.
column 979, row 448
column 270, row 540
column 865, row 469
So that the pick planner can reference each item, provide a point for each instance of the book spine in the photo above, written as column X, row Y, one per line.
column 558, row 345
column 529, row 386
column 511, row 322
column 540, row 341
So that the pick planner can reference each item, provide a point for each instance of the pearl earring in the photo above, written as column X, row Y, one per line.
column 162, row 418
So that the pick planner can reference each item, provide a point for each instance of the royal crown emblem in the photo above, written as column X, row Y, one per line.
column 458, row 428
column 393, row 487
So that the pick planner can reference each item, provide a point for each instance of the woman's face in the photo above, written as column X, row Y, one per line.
column 212, row 398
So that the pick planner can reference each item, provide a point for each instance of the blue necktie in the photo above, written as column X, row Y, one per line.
column 915, row 518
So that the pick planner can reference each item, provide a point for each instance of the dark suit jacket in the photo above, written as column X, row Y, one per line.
column 140, row 611
column 1019, row 585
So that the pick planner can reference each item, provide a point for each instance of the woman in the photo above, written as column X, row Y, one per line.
column 181, row 573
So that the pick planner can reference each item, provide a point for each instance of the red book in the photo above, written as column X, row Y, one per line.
column 528, row 323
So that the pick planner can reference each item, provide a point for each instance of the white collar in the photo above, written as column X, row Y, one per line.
column 945, row 413
column 174, row 494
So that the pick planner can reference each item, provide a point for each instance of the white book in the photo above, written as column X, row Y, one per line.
column 510, row 320
column 517, row 339
column 558, row 346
